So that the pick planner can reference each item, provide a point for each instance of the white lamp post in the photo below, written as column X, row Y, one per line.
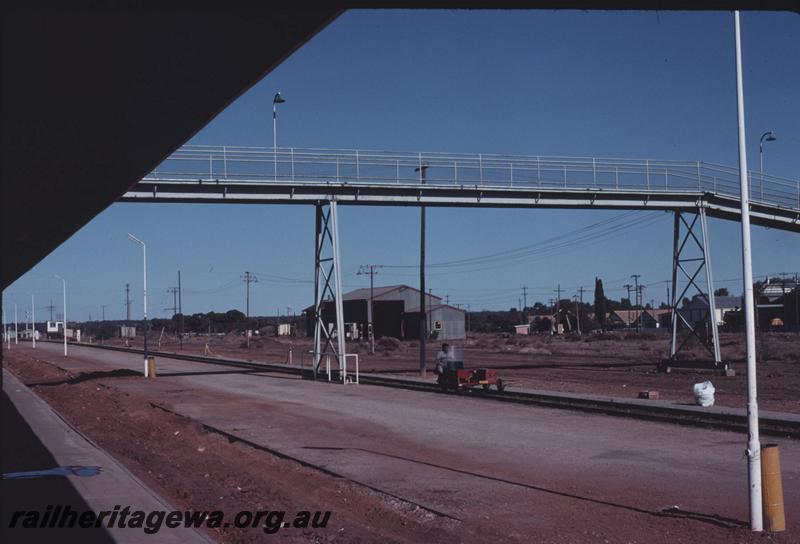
column 753, row 443
column 134, row 239
column 770, row 137
column 278, row 99
column 64, row 328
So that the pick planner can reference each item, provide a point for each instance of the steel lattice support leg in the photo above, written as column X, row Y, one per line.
column 687, row 265
column 328, row 341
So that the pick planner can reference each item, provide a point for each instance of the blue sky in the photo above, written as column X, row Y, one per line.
column 633, row 84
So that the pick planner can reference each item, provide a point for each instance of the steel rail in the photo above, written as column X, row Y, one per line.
column 607, row 406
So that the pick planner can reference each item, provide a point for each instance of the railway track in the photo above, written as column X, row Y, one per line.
column 645, row 410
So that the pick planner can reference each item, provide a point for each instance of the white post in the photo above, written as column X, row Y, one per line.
column 144, row 293
column 16, row 329
column 33, row 321
column 64, row 327
column 144, row 301
column 753, row 443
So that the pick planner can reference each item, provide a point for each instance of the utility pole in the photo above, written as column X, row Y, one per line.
column 248, row 278
column 180, row 312
column 174, row 291
column 577, row 313
column 103, row 310
column 51, row 308
column 524, row 298
column 16, row 329
column 33, row 322
column 637, row 293
column 468, row 310
column 580, row 290
column 370, row 269
column 423, row 329
column 641, row 307
column 558, row 306
column 127, row 303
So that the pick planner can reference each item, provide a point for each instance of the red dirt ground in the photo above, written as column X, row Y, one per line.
column 616, row 364
column 203, row 471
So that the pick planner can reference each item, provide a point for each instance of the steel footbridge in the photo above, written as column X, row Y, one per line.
column 326, row 178
column 310, row 176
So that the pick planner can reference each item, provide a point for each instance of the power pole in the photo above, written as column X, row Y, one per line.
column 103, row 307
column 524, row 298
column 423, row 329
column 33, row 322
column 468, row 310
column 174, row 308
column 248, row 278
column 558, row 306
column 641, row 304
column 127, row 303
column 370, row 269
column 51, row 308
column 580, row 290
column 637, row 293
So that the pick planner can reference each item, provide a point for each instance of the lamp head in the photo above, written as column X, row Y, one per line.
column 133, row 238
column 278, row 98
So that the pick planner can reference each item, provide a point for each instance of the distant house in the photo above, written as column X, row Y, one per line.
column 697, row 309
column 524, row 329
column 774, row 290
column 650, row 318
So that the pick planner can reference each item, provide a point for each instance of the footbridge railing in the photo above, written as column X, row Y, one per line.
column 193, row 163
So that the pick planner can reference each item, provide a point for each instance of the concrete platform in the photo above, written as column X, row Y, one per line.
column 35, row 438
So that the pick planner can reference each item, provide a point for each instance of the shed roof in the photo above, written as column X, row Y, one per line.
column 380, row 292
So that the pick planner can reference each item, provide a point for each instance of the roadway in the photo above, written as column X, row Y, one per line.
column 552, row 473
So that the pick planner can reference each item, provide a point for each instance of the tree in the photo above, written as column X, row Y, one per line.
column 721, row 292
column 600, row 303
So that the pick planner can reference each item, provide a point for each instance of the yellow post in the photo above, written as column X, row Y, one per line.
column 151, row 366
column 772, row 498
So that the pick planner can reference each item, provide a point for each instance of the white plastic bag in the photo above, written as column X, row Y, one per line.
column 704, row 393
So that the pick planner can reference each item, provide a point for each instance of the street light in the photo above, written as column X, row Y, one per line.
column 278, row 99
column 770, row 137
column 33, row 320
column 64, row 326
column 134, row 239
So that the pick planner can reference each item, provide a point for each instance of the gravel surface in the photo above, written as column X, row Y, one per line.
column 406, row 466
